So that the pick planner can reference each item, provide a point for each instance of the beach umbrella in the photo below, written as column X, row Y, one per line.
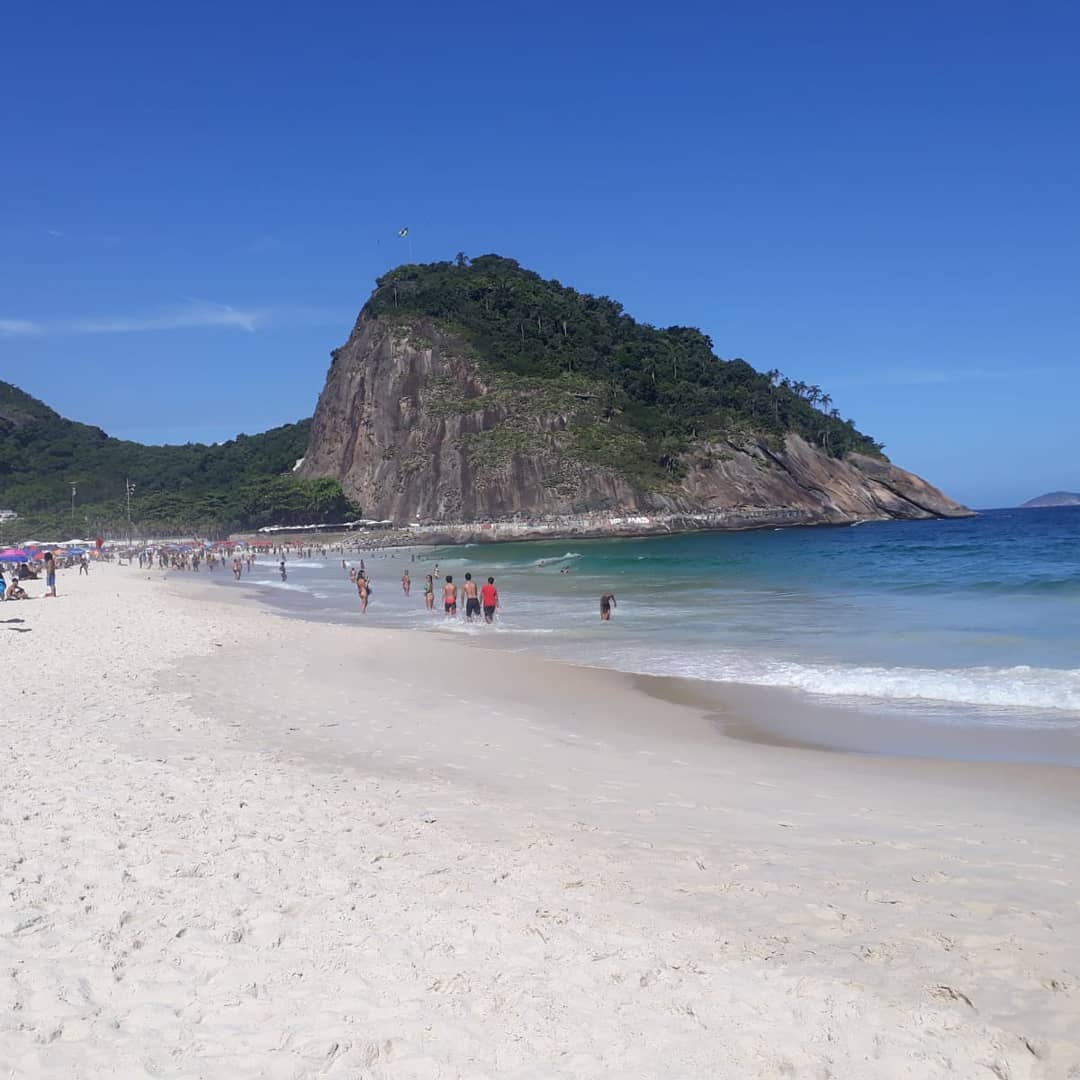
column 76, row 552
column 15, row 555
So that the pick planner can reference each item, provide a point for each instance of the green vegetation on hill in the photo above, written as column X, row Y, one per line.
column 658, row 390
column 241, row 484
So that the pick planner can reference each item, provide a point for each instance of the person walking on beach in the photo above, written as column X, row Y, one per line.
column 84, row 566
column 406, row 584
column 489, row 598
column 429, row 592
column 50, row 574
column 607, row 602
column 472, row 600
column 449, row 595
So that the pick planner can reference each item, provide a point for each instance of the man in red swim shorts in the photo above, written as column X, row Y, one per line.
column 449, row 595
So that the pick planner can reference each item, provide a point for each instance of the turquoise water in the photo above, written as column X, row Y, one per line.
column 972, row 622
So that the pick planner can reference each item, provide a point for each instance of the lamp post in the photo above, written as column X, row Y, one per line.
column 73, row 490
column 129, row 487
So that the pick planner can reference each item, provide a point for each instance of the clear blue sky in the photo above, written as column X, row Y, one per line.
column 878, row 198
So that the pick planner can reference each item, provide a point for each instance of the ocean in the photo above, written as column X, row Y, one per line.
column 950, row 638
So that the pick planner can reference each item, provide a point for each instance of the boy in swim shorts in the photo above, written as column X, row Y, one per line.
column 472, row 601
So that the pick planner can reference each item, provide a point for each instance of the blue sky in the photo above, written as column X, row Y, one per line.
column 879, row 199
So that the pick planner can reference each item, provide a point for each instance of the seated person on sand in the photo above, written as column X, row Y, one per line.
column 16, row 592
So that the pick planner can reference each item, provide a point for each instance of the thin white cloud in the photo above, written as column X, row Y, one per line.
column 196, row 314
column 18, row 328
column 55, row 232
column 191, row 315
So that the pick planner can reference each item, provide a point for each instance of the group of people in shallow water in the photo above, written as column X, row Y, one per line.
column 481, row 601
column 478, row 599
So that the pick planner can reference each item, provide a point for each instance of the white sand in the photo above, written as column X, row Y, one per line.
column 232, row 845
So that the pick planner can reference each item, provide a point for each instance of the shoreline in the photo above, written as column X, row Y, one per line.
column 750, row 712
column 245, row 845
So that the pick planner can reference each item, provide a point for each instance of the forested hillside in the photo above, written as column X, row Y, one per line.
column 240, row 484
column 667, row 385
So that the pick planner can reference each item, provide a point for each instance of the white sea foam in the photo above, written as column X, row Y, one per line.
column 288, row 586
column 550, row 560
column 1020, row 687
column 299, row 564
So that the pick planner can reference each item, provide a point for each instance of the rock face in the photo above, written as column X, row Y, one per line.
column 414, row 431
column 1055, row 498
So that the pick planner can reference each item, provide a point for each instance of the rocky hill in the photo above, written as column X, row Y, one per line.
column 477, row 391
column 1055, row 498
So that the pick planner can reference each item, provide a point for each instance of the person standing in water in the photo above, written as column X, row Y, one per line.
column 472, row 601
column 363, row 587
column 429, row 592
column 406, row 584
column 607, row 602
column 449, row 595
column 489, row 598
column 281, row 567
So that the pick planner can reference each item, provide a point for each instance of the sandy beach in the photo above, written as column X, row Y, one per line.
column 234, row 844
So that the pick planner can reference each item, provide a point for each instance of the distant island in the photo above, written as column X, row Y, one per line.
column 1055, row 498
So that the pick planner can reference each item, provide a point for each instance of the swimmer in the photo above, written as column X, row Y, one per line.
column 607, row 602
column 489, row 597
column 472, row 601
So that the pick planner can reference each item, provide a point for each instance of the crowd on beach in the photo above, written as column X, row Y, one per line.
column 23, row 571
column 479, row 600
